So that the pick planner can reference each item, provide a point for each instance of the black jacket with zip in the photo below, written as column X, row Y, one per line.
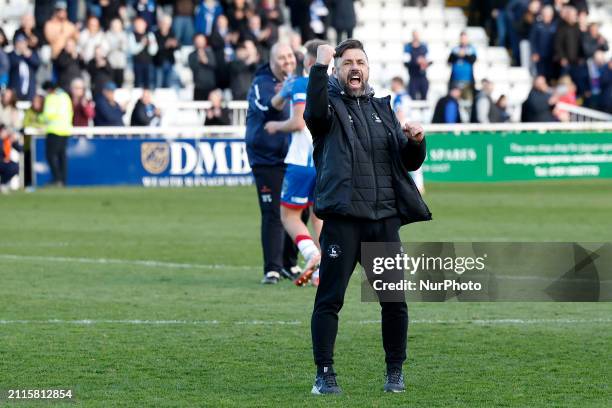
column 328, row 115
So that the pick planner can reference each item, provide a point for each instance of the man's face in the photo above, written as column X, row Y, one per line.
column 353, row 72
column 455, row 93
column 463, row 40
column 200, row 42
column 283, row 60
column 146, row 97
column 396, row 86
column 61, row 14
column 110, row 95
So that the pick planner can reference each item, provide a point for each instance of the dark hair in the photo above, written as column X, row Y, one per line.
column 350, row 44
column 398, row 80
column 312, row 45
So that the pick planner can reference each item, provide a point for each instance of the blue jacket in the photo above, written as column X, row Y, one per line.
column 542, row 39
column 17, row 79
column 206, row 17
column 411, row 54
column 107, row 114
column 264, row 149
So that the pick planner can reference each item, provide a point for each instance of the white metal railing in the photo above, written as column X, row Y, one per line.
column 581, row 114
column 238, row 132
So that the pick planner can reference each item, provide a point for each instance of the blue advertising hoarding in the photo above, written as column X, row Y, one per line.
column 149, row 162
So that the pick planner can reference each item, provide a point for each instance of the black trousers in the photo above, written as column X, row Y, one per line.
column 56, row 157
column 341, row 246
column 8, row 170
column 279, row 251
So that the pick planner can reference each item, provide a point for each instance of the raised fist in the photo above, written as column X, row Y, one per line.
column 325, row 54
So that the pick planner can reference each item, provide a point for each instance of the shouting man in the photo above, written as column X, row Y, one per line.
column 363, row 193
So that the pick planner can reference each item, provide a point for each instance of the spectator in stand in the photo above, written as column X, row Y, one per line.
column 542, row 43
column 514, row 15
column 271, row 15
column 10, row 116
column 33, row 119
column 593, row 41
column 117, row 41
column 43, row 11
column 83, row 108
column 238, row 13
column 242, row 70
column 300, row 18
column 597, row 69
column 59, row 29
column 343, row 19
column 605, row 83
column 23, row 63
column 462, row 59
column 539, row 104
column 145, row 113
column 502, row 109
column 447, row 107
column 109, row 10
column 295, row 41
column 528, row 20
column 183, row 21
column 202, row 63
column 566, row 93
column 91, row 38
column 222, row 42
column 484, row 109
column 4, row 60
column 217, row 114
column 28, row 29
column 206, row 14
column 68, row 65
column 108, row 110
column 415, row 60
column 495, row 20
column 401, row 100
column 568, row 49
column 57, row 115
column 319, row 19
column 142, row 46
column 99, row 71
column 260, row 36
column 145, row 9
column 164, row 59
column 8, row 168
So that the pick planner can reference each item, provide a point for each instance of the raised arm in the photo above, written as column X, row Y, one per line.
column 317, row 113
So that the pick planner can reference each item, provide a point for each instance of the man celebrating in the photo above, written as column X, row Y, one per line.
column 266, row 156
column 363, row 193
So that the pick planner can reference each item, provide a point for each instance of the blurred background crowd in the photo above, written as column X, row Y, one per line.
column 118, row 60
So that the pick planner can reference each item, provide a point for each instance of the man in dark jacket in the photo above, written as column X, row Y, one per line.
column 539, row 103
column 447, row 108
column 267, row 159
column 108, row 111
column 363, row 193
column 23, row 64
column 145, row 113
column 202, row 63
column 568, row 50
column 415, row 60
column 542, row 40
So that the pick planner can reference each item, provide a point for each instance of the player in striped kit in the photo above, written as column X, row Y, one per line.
column 298, row 185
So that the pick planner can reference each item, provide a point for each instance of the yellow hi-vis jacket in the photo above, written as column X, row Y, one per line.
column 57, row 113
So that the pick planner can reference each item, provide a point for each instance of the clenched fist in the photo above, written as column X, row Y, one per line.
column 325, row 54
column 414, row 131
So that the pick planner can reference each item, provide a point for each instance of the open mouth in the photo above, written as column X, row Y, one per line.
column 355, row 80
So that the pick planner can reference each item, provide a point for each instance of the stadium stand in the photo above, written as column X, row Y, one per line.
column 384, row 26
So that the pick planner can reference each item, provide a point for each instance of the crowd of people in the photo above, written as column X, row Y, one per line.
column 558, row 41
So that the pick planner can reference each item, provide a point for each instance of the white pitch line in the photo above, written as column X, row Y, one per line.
column 90, row 322
column 109, row 261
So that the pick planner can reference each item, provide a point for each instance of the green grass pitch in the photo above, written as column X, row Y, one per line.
column 169, row 283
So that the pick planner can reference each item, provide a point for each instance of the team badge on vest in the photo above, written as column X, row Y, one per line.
column 334, row 251
column 376, row 118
